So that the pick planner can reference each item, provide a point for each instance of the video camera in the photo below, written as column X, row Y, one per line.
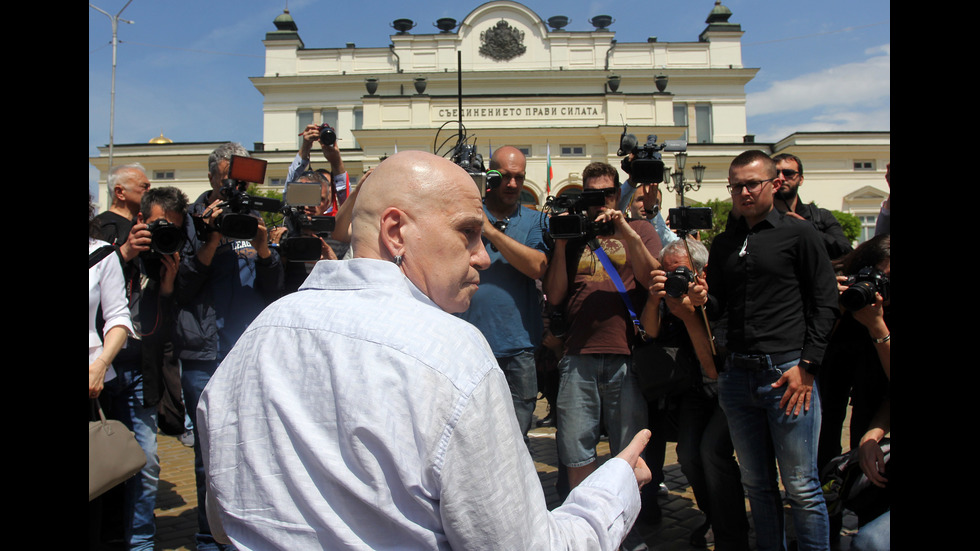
column 577, row 223
column 647, row 166
column 296, row 245
column 861, row 288
column 466, row 157
column 236, row 220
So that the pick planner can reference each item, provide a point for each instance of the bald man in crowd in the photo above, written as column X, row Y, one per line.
column 358, row 413
column 507, row 309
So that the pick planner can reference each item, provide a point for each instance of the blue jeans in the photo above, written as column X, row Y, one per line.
column 763, row 435
column 594, row 385
column 874, row 535
column 522, row 378
column 194, row 376
column 126, row 399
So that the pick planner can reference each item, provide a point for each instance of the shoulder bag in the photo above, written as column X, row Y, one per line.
column 114, row 455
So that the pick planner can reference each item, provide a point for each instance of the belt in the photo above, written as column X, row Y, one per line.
column 761, row 362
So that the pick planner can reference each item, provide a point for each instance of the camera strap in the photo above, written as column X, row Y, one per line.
column 614, row 276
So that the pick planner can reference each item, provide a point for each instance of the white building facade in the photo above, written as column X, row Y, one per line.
column 525, row 82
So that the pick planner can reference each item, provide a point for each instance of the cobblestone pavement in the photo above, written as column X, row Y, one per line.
column 177, row 500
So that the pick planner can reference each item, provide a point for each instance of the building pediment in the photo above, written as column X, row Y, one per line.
column 866, row 194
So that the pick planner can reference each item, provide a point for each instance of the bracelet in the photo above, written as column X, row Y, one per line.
column 884, row 339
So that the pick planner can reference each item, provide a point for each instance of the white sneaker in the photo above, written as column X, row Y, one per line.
column 662, row 490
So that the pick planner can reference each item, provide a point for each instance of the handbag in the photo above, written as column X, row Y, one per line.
column 114, row 455
column 661, row 371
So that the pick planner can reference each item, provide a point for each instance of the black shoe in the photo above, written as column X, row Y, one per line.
column 697, row 536
column 548, row 421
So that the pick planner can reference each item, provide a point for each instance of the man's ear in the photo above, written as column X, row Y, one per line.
column 391, row 237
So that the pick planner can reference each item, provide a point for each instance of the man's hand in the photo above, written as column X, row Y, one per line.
column 794, row 215
column 698, row 291
column 621, row 228
column 799, row 390
column 137, row 242
column 631, row 454
column 168, row 273
column 872, row 316
column 261, row 240
column 872, row 462
column 310, row 134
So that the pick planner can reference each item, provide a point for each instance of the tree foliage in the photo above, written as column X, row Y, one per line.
column 719, row 217
column 850, row 223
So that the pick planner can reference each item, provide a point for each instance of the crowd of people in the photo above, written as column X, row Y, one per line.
column 381, row 396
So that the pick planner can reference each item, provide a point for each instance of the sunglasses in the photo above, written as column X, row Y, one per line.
column 786, row 172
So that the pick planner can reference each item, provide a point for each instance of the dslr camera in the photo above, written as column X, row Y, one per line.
column 577, row 223
column 677, row 282
column 328, row 136
column 236, row 220
column 297, row 245
column 166, row 238
column 861, row 288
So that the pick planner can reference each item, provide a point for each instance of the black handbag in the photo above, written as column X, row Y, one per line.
column 661, row 371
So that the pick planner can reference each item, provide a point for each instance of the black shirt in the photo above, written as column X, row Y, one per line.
column 780, row 294
column 830, row 229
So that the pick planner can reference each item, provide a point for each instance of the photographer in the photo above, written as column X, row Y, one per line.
column 133, row 395
column 299, row 223
column 222, row 284
column 857, row 363
column 334, row 196
column 594, row 370
column 704, row 445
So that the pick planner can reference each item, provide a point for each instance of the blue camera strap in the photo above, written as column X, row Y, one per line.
column 614, row 276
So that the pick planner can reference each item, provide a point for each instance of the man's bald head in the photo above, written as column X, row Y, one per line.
column 426, row 211
column 512, row 165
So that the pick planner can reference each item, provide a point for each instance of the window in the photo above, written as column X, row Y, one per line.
column 867, row 226
column 329, row 116
column 277, row 182
column 358, row 122
column 163, row 174
column 680, row 117
column 304, row 117
column 702, row 114
column 525, row 149
column 573, row 150
column 864, row 165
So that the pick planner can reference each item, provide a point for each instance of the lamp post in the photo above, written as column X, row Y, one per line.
column 114, row 19
column 681, row 185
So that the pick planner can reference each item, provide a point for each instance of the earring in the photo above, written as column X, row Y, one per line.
column 398, row 260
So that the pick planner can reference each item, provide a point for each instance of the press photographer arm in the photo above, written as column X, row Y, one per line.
column 872, row 460
column 641, row 259
column 872, row 316
column 555, row 282
column 530, row 262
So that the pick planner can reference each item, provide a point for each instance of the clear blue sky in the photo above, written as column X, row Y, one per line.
column 182, row 67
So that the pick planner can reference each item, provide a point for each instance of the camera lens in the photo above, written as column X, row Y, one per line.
column 858, row 296
column 327, row 135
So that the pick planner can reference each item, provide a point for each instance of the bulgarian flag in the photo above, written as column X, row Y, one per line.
column 550, row 174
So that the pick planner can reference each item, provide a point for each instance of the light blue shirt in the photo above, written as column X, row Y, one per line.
column 356, row 414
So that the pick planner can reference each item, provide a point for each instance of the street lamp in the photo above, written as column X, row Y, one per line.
column 681, row 185
column 114, row 19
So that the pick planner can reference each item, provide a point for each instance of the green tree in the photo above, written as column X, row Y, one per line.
column 270, row 218
column 850, row 223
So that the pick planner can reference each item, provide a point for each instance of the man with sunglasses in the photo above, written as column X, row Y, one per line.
column 771, row 275
column 789, row 173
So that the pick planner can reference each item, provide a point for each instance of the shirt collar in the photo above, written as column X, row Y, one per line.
column 363, row 273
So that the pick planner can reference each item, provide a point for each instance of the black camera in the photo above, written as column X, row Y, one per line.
column 861, row 288
column 678, row 281
column 647, row 166
column 328, row 136
column 236, row 220
column 297, row 245
column 684, row 219
column 166, row 238
column 577, row 223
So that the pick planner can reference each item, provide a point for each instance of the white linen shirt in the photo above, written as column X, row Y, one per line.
column 106, row 287
column 356, row 414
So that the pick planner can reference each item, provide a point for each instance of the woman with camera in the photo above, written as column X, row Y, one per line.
column 857, row 364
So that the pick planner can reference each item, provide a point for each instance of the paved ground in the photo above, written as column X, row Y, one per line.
column 177, row 501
